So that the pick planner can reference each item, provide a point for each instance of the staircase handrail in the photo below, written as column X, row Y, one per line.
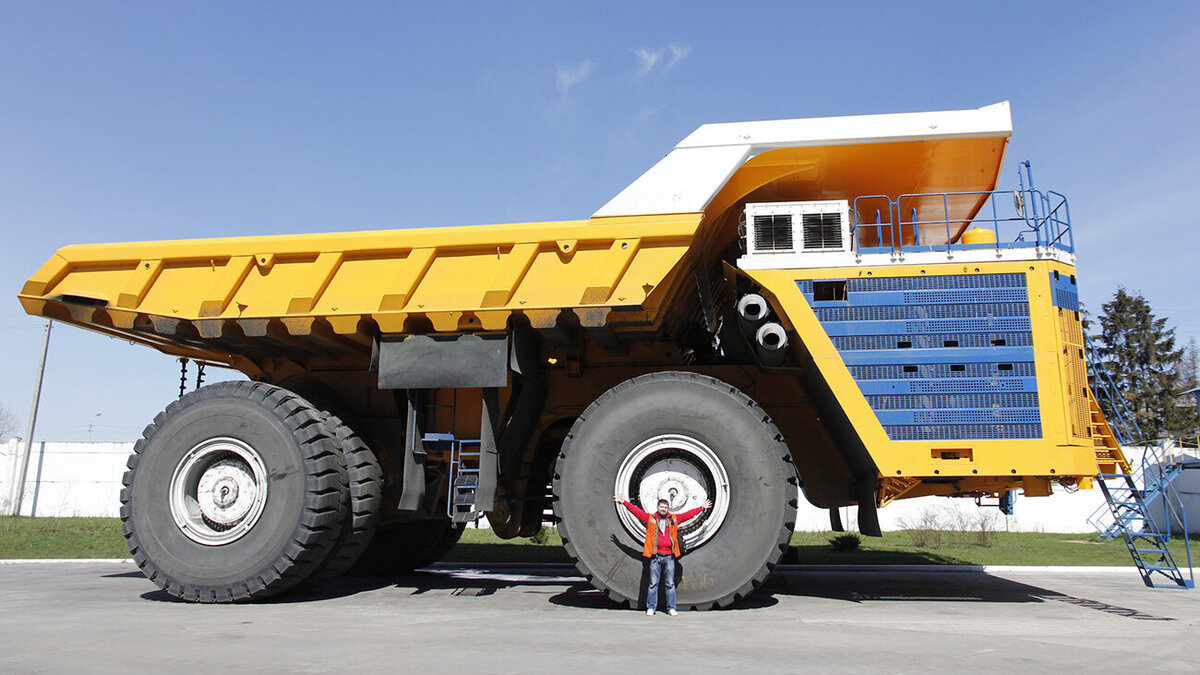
column 1126, row 429
column 1100, row 518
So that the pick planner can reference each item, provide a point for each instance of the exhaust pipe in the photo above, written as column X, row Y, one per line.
column 752, row 311
column 771, row 343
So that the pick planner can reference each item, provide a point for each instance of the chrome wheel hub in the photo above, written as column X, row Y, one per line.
column 218, row 491
column 681, row 470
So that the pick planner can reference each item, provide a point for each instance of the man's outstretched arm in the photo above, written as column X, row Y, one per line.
column 637, row 513
column 681, row 518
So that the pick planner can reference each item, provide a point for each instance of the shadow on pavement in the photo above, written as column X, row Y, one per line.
column 583, row 596
column 850, row 586
column 957, row 586
column 136, row 574
column 823, row 554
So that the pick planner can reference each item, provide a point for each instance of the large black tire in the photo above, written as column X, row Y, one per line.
column 758, row 519
column 403, row 547
column 450, row 536
column 362, row 512
column 303, row 493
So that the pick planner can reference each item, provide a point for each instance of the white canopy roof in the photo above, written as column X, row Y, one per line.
column 687, row 179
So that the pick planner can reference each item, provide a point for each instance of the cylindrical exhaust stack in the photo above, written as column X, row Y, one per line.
column 752, row 311
column 771, row 342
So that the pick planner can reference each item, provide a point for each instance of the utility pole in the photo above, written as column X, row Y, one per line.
column 23, row 465
column 92, row 424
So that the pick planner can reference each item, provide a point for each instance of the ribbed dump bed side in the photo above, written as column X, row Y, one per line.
column 327, row 294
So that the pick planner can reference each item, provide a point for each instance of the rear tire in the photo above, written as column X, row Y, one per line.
column 683, row 434
column 403, row 547
column 362, row 510
column 235, row 492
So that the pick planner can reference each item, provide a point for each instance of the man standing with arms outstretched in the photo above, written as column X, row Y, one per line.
column 662, row 547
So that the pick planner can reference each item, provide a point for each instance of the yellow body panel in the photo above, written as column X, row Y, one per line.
column 456, row 278
column 1058, row 453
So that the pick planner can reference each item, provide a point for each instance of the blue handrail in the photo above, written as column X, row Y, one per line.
column 1045, row 215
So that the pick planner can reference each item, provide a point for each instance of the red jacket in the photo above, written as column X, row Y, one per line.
column 669, row 546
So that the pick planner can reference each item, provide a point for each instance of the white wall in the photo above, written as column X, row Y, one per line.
column 1060, row 512
column 84, row 479
column 65, row 479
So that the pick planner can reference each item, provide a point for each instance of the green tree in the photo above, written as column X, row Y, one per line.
column 1139, row 352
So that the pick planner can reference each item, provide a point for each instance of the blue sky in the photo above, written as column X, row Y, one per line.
column 132, row 121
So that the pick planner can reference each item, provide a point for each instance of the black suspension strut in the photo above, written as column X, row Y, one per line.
column 182, row 376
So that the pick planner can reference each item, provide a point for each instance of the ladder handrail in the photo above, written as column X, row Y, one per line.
column 1158, row 470
column 1127, row 430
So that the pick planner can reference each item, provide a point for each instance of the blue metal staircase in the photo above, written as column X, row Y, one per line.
column 461, row 457
column 1142, row 516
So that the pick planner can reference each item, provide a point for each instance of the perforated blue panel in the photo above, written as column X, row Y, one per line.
column 962, row 431
column 1066, row 294
column 828, row 311
column 940, row 357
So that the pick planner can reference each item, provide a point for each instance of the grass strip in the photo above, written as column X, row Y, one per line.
column 24, row 537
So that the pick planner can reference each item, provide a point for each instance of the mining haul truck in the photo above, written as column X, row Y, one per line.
column 843, row 306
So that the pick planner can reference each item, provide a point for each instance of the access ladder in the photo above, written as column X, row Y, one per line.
column 1128, row 505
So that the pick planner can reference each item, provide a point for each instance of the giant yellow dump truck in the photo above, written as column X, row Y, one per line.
column 847, row 305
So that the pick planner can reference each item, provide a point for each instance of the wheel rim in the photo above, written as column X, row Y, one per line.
column 681, row 470
column 218, row 491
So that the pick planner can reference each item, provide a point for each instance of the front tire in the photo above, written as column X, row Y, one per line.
column 235, row 492
column 684, row 437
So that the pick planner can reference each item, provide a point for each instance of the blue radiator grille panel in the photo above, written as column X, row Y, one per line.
column 940, row 341
column 908, row 312
column 839, row 328
column 934, row 401
column 941, row 357
column 962, row 432
column 964, row 386
column 938, row 370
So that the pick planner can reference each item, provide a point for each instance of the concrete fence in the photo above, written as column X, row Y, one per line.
column 65, row 478
column 84, row 479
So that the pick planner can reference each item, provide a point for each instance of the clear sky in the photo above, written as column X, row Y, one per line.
column 126, row 121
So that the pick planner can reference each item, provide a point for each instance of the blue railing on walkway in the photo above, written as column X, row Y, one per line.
column 1024, row 218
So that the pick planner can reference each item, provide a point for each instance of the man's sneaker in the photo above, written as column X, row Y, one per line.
column 671, row 612
column 649, row 612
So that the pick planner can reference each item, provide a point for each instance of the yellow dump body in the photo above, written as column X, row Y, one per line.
column 235, row 300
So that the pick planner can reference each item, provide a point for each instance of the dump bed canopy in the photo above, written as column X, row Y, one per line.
column 311, row 298
column 905, row 153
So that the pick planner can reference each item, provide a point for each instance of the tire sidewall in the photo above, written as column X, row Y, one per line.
column 736, row 432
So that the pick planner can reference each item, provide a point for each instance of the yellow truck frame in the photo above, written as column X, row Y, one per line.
column 845, row 305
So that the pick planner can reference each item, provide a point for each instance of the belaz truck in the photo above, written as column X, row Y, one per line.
column 843, row 306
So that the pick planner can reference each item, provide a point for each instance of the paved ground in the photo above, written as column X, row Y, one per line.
column 105, row 617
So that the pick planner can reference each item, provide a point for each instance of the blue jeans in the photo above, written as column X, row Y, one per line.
column 661, row 566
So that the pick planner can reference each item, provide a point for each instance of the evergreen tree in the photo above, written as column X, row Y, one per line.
column 1139, row 352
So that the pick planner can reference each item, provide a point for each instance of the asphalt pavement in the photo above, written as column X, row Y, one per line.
column 105, row 617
